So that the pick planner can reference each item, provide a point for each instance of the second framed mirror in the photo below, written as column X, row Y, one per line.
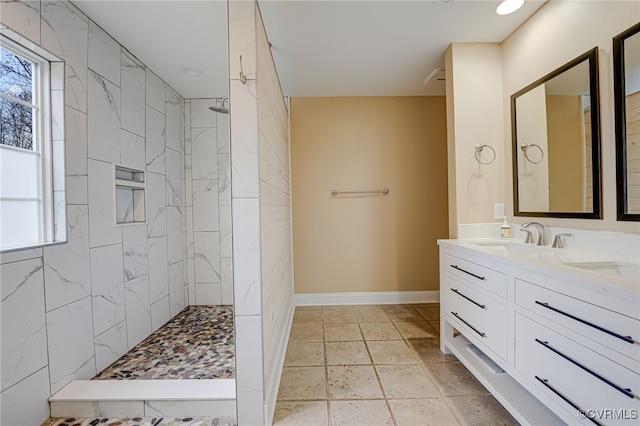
column 626, row 84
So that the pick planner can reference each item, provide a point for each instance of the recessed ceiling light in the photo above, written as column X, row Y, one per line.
column 509, row 6
column 191, row 72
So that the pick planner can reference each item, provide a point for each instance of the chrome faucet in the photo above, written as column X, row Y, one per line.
column 557, row 241
column 541, row 237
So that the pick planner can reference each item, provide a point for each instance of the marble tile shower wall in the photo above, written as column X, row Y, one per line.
column 208, row 204
column 69, row 310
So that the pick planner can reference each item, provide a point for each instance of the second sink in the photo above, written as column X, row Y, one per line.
column 624, row 270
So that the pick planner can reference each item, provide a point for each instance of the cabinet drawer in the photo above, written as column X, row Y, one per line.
column 619, row 332
column 477, row 274
column 575, row 376
column 477, row 315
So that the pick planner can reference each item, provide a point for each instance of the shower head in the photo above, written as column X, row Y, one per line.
column 221, row 108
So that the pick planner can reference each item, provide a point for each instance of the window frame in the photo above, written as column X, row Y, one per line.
column 52, row 221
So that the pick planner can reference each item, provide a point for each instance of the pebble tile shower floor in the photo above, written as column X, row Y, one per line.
column 142, row 421
column 198, row 343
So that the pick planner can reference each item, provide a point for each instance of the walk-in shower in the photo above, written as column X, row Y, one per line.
column 221, row 108
column 192, row 356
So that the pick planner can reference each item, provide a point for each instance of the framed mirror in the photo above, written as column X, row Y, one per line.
column 555, row 126
column 626, row 86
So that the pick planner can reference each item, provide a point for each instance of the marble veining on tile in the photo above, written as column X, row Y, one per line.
column 107, row 285
column 66, row 33
column 136, row 252
column 172, row 114
column 173, row 185
column 66, row 267
column 132, row 149
column 138, row 310
column 23, row 306
column 156, row 204
column 132, row 95
column 155, row 91
column 176, row 288
column 155, row 135
column 174, row 235
column 103, row 119
column 76, row 154
column 104, row 54
column 198, row 343
column 25, row 17
column 71, row 326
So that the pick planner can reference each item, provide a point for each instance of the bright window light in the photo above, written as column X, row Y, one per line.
column 32, row 192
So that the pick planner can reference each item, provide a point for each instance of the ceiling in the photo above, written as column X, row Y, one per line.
column 321, row 48
column 168, row 36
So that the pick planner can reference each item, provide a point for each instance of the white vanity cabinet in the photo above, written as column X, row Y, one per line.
column 475, row 299
column 552, row 347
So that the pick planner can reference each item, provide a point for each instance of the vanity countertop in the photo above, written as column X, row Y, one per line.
column 620, row 275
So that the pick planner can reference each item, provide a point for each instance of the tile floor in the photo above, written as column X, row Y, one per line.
column 345, row 365
column 375, row 366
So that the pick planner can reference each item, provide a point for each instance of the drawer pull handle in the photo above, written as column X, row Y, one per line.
column 455, row 290
column 626, row 391
column 627, row 339
column 469, row 273
column 545, row 382
column 455, row 314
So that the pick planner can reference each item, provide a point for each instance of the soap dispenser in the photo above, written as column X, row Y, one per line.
column 505, row 229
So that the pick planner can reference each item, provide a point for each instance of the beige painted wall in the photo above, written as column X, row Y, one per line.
column 566, row 159
column 546, row 41
column 373, row 242
column 474, row 116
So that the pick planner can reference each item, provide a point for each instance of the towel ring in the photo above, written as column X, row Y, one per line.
column 525, row 150
column 479, row 148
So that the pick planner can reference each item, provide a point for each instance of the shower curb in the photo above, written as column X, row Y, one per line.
column 122, row 398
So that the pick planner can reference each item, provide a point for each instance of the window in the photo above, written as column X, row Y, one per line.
column 27, row 193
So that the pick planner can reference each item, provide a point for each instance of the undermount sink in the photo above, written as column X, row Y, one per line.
column 494, row 243
column 624, row 270
column 510, row 246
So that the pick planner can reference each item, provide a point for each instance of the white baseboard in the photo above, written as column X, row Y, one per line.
column 272, row 388
column 367, row 298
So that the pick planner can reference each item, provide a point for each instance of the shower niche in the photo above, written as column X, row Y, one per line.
column 129, row 195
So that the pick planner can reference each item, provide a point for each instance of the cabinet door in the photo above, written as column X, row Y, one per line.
column 575, row 376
